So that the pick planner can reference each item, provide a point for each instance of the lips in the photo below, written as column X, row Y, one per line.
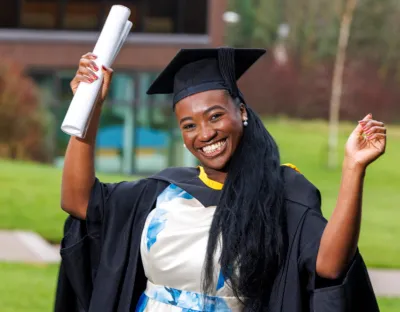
column 214, row 149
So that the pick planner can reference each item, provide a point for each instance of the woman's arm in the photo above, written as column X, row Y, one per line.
column 78, row 172
column 340, row 237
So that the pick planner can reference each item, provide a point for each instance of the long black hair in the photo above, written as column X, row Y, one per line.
column 249, row 220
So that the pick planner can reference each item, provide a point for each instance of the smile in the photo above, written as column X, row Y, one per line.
column 214, row 149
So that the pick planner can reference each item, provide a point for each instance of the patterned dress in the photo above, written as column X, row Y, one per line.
column 173, row 249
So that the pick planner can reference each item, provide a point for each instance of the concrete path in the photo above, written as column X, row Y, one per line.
column 385, row 282
column 28, row 247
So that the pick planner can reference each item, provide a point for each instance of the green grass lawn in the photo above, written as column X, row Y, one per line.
column 30, row 198
column 28, row 288
column 31, row 193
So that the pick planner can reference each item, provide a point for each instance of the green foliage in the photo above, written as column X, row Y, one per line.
column 314, row 29
column 259, row 20
column 313, row 25
column 375, row 34
column 23, row 120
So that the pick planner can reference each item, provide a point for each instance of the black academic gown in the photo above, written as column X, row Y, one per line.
column 101, row 268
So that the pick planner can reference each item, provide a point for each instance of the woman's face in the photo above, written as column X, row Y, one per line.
column 211, row 126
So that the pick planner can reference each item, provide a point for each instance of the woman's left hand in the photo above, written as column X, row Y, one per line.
column 367, row 142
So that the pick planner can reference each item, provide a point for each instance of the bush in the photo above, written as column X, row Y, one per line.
column 22, row 118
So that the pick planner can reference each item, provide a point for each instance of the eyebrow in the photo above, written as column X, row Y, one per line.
column 208, row 110
column 212, row 108
column 185, row 119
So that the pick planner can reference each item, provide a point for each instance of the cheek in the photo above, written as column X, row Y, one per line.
column 187, row 139
column 234, row 127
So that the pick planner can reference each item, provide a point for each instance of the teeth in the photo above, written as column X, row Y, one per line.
column 213, row 147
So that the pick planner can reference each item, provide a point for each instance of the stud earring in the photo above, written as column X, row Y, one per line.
column 245, row 123
column 184, row 145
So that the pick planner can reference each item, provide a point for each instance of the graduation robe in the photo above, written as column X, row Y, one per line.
column 101, row 268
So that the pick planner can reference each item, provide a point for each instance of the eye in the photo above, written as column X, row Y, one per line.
column 188, row 126
column 216, row 116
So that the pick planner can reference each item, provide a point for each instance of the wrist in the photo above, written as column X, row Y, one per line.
column 350, row 164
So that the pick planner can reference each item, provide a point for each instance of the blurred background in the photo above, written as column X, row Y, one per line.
column 329, row 63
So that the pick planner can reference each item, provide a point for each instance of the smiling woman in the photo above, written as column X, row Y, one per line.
column 211, row 125
column 239, row 233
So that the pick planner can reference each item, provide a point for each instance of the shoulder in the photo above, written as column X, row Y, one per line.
column 157, row 181
column 176, row 174
column 105, row 191
column 298, row 189
column 303, row 205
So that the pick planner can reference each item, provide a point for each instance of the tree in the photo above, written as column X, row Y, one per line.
column 22, row 121
column 259, row 21
column 371, row 56
column 337, row 81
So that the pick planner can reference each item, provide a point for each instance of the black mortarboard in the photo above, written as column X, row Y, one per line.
column 198, row 70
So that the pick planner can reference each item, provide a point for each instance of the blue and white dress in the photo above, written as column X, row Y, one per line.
column 173, row 249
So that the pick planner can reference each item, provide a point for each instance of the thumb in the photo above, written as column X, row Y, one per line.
column 108, row 73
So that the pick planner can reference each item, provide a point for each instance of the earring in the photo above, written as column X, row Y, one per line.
column 184, row 145
column 245, row 123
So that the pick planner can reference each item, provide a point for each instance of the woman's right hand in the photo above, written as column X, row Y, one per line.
column 87, row 73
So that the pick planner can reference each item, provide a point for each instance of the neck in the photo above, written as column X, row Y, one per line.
column 215, row 175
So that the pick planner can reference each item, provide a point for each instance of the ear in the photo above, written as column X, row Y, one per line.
column 243, row 112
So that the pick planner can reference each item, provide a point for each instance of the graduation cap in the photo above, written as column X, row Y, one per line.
column 197, row 70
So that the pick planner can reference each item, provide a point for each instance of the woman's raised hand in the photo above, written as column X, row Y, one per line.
column 367, row 142
column 87, row 73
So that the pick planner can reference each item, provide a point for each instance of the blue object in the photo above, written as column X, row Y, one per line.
column 112, row 137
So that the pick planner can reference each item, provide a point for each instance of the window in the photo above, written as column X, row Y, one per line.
column 39, row 14
column 82, row 14
column 137, row 131
column 9, row 14
column 148, row 16
column 173, row 16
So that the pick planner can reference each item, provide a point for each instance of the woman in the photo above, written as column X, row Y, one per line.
column 239, row 233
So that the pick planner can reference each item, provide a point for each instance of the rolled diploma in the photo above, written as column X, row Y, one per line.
column 125, row 34
column 110, row 41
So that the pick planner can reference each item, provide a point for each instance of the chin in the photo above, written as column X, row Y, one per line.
column 217, row 164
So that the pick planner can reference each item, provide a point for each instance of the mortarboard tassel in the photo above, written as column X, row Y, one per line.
column 226, row 61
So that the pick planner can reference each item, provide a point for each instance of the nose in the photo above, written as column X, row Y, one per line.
column 207, row 133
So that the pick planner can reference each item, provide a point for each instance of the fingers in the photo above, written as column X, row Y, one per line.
column 361, row 124
column 81, row 78
column 88, row 67
column 375, row 131
column 87, row 61
column 89, row 56
column 86, row 70
column 87, row 73
column 377, row 136
column 371, row 126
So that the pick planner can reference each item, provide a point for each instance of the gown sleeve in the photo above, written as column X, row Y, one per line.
column 351, row 292
column 109, row 207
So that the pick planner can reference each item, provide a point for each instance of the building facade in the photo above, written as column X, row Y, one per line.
column 137, row 132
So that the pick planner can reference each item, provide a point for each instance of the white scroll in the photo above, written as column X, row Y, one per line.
column 109, row 43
